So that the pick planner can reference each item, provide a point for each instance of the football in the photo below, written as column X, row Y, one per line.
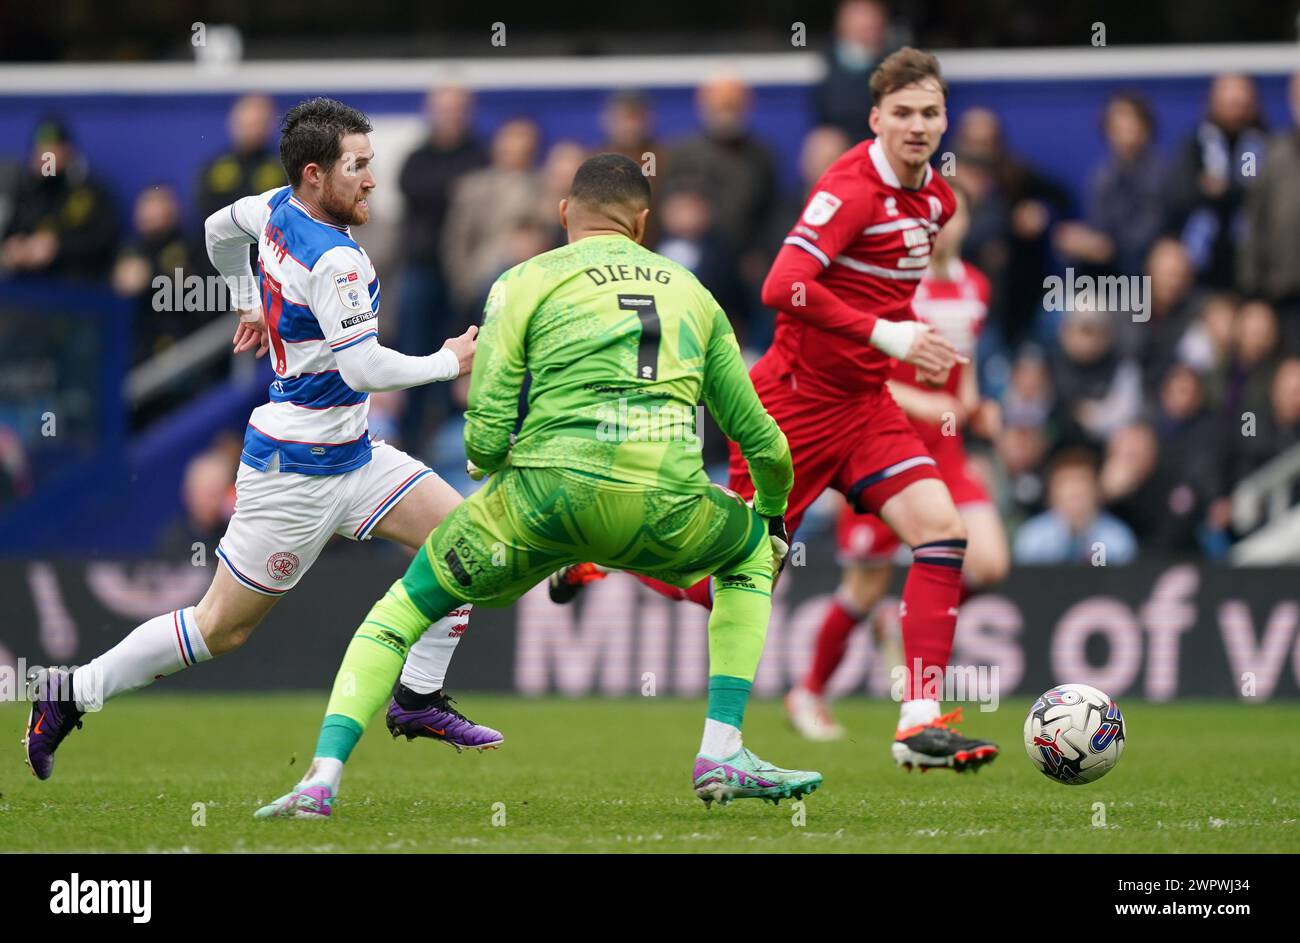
column 1074, row 734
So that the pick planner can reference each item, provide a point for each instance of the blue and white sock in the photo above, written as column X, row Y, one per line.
column 162, row 646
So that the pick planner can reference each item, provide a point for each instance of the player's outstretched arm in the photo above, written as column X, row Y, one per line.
column 731, row 400
column 499, row 374
column 369, row 367
column 344, row 300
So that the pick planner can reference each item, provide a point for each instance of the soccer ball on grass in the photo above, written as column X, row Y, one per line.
column 1074, row 734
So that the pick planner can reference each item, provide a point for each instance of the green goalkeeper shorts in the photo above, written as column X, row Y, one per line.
column 526, row 523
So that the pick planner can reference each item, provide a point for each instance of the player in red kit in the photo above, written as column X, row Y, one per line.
column 842, row 285
column 953, row 299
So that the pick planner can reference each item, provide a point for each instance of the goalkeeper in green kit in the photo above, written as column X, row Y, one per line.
column 621, row 344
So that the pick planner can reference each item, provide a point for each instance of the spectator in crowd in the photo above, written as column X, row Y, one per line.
column 1208, row 346
column 1254, row 358
column 425, row 314
column 1173, row 307
column 15, row 475
column 157, row 248
column 558, row 169
column 1020, row 452
column 1268, row 263
column 1097, row 389
column 1029, row 398
column 1273, row 432
column 1189, row 470
column 842, row 98
column 628, row 125
column 821, row 147
column 1129, row 486
column 208, row 496
column 63, row 223
column 1124, row 207
column 686, row 219
column 1012, row 209
column 526, row 237
column 486, row 206
column 11, row 171
column 1207, row 180
column 735, row 168
column 252, row 162
column 1074, row 528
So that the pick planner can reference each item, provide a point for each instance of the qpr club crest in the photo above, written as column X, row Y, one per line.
column 281, row 566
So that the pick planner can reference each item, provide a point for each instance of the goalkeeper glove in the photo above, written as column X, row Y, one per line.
column 779, row 539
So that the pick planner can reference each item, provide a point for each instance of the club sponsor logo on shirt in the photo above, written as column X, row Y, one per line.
column 821, row 208
column 358, row 319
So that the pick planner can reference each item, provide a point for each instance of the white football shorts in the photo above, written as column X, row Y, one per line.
column 283, row 520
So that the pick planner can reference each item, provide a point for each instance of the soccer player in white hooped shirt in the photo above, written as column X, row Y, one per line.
column 309, row 468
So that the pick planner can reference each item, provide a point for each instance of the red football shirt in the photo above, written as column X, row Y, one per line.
column 955, row 305
column 857, row 253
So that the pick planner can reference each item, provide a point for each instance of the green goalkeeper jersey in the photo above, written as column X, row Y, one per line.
column 621, row 344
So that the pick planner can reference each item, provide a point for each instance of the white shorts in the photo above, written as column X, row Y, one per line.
column 283, row 520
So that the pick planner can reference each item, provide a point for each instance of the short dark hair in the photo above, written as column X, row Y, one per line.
column 1070, row 457
column 313, row 131
column 1140, row 105
column 610, row 180
column 905, row 67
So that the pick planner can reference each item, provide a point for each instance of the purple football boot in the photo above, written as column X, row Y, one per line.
column 53, row 716
column 431, row 715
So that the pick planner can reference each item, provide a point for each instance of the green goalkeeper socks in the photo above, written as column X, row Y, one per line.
column 727, row 700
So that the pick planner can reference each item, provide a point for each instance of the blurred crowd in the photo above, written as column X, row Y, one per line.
column 1117, row 430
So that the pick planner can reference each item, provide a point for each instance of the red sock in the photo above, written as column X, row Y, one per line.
column 931, row 596
column 662, row 588
column 701, row 593
column 832, row 641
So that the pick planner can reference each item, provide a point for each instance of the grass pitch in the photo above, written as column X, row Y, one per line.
column 614, row 776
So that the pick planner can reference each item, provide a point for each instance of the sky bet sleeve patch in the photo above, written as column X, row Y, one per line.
column 351, row 290
column 821, row 208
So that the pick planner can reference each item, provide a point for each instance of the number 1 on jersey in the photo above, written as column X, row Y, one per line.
column 647, row 353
